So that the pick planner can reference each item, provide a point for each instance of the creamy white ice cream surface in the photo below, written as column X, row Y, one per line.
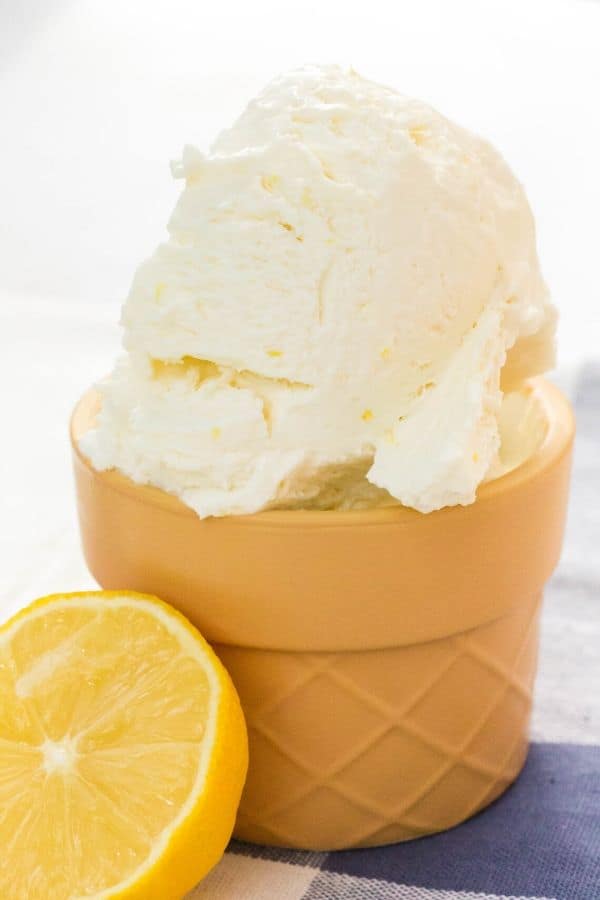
column 349, row 285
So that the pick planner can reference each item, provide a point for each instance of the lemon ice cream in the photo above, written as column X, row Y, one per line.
column 349, row 287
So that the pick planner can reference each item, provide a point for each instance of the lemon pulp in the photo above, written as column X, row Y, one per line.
column 108, row 718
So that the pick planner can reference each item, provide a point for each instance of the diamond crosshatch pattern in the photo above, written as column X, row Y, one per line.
column 364, row 748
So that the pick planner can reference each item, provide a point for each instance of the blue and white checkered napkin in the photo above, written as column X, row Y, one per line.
column 542, row 838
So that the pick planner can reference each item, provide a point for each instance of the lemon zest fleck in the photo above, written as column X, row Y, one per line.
column 418, row 134
column 269, row 182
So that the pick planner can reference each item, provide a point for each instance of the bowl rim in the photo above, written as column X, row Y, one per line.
column 555, row 443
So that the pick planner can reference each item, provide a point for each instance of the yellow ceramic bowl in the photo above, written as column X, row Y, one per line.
column 385, row 659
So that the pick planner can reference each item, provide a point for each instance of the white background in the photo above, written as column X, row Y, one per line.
column 96, row 97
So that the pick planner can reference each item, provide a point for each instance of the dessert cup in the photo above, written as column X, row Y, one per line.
column 385, row 659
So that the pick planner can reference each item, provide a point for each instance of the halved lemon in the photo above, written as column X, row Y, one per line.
column 123, row 751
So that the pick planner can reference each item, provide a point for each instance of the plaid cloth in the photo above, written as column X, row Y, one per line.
column 540, row 840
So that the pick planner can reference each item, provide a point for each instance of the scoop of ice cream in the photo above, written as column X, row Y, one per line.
column 346, row 276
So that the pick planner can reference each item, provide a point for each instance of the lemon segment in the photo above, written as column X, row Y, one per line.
column 123, row 751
